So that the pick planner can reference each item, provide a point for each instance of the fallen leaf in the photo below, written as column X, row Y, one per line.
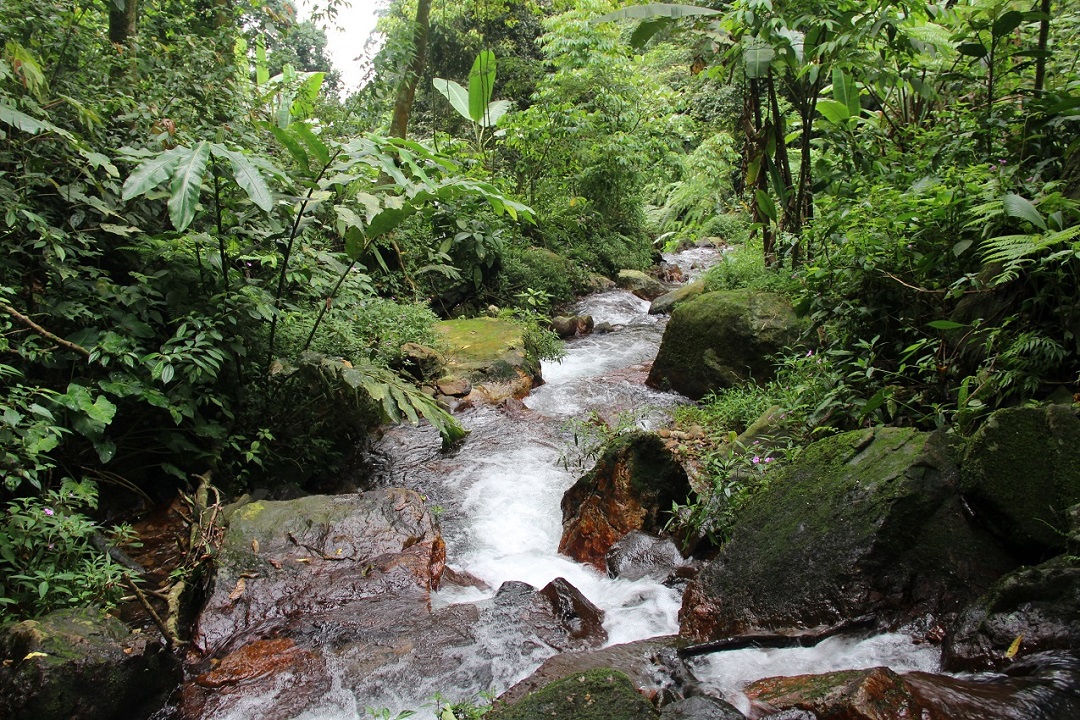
column 1014, row 648
column 303, row 560
column 238, row 590
column 254, row 545
column 31, row 656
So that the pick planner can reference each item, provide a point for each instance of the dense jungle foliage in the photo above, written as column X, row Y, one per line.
column 214, row 252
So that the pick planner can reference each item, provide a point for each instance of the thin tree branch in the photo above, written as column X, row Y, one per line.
column 42, row 331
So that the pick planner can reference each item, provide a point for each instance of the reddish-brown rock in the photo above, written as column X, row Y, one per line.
column 632, row 487
column 875, row 694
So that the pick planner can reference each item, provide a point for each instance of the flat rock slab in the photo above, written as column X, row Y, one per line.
column 490, row 353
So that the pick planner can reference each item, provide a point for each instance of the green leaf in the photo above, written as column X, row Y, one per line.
column 758, row 57
column 152, row 172
column 262, row 70
column 457, row 95
column 846, row 91
column 766, row 204
column 481, row 84
column 646, row 30
column 22, row 121
column 186, row 185
column 385, row 221
column 835, row 112
column 306, row 95
column 654, row 10
column 249, row 178
column 1018, row 207
column 975, row 50
column 945, row 325
column 1007, row 23
column 495, row 110
column 292, row 145
column 311, row 140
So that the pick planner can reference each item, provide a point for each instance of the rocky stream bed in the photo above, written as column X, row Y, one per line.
column 887, row 573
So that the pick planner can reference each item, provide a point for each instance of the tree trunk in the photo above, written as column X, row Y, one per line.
column 122, row 22
column 1044, row 38
column 407, row 89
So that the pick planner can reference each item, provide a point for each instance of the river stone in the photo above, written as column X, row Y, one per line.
column 491, row 354
column 1040, row 605
column 599, row 694
column 631, row 487
column 701, row 707
column 280, row 559
column 1044, row 686
column 670, row 300
column 639, row 555
column 867, row 522
column 874, row 694
column 723, row 339
column 81, row 664
column 1021, row 472
column 640, row 284
column 570, row 326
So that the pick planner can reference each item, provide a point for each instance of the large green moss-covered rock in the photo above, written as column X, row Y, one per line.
column 491, row 354
column 1021, row 473
column 641, row 284
column 81, row 664
column 864, row 522
column 600, row 694
column 723, row 339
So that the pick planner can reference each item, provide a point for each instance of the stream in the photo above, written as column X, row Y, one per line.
column 498, row 500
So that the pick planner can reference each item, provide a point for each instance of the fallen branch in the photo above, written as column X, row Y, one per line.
column 792, row 639
column 42, row 331
column 166, row 631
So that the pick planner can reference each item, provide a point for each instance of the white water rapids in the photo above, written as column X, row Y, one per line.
column 498, row 500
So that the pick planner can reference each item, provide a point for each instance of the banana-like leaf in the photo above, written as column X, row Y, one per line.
column 289, row 141
column 28, row 124
column 495, row 110
column 481, row 84
column 303, row 106
column 314, row 144
column 835, row 112
column 654, row 10
column 186, row 185
column 152, row 172
column 457, row 95
column 248, row 177
column 646, row 29
column 846, row 91
column 262, row 70
column 758, row 57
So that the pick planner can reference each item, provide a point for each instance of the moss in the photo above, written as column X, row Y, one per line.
column 724, row 339
column 600, row 694
column 1021, row 473
column 487, row 349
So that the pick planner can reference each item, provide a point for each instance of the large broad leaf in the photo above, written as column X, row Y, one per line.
column 846, row 91
column 646, row 29
column 766, row 205
column 1007, row 23
column 26, row 123
column 311, row 140
column 457, row 95
column 186, row 185
column 495, row 110
column 152, row 172
column 654, row 10
column 303, row 106
column 481, row 84
column 262, row 70
column 835, row 112
column 248, row 177
column 1018, row 207
column 758, row 58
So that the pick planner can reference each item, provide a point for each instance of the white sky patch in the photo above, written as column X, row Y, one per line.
column 348, row 36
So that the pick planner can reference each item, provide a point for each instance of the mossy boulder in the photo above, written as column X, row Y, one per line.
column 867, row 522
column 723, row 339
column 670, row 300
column 640, row 284
column 81, row 664
column 1039, row 605
column 1021, row 473
column 598, row 694
column 631, row 487
column 491, row 354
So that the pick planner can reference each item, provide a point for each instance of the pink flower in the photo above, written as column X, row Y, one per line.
column 756, row 460
column 49, row 511
column 769, row 460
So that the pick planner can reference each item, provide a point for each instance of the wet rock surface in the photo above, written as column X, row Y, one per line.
column 1037, row 606
column 632, row 487
column 875, row 694
column 700, row 707
column 723, row 339
column 600, row 694
column 82, row 664
column 672, row 299
column 639, row 555
column 490, row 353
column 1030, row 515
column 867, row 522
column 640, row 284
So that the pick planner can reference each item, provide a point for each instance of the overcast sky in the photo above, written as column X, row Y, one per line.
column 346, row 41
